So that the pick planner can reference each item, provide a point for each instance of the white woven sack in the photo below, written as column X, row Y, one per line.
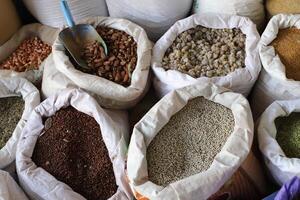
column 241, row 80
column 272, row 83
column 199, row 186
column 281, row 167
column 10, row 87
column 45, row 33
column 254, row 9
column 62, row 74
column 156, row 17
column 38, row 183
column 49, row 12
column 9, row 189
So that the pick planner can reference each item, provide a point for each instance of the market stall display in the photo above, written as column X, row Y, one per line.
column 100, row 133
column 66, row 158
column 25, row 53
column 228, row 57
column 184, row 138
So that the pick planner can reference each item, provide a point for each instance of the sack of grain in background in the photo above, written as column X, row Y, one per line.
column 61, row 73
column 230, row 60
column 49, row 12
column 21, row 55
column 41, row 184
column 155, row 16
column 254, row 9
column 14, row 114
column 279, row 139
column 278, row 50
column 9, row 189
column 275, row 7
column 189, row 144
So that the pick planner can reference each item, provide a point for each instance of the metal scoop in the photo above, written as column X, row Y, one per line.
column 75, row 37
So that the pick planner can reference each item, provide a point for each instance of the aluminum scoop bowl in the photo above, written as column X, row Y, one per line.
column 75, row 37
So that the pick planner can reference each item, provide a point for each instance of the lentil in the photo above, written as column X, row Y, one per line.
column 206, row 52
column 188, row 143
column 121, row 60
column 11, row 110
column 72, row 150
column 286, row 45
column 28, row 56
column 288, row 134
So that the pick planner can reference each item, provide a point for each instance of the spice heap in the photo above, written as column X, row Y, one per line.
column 121, row 60
column 11, row 110
column 206, row 52
column 72, row 150
column 28, row 56
column 188, row 143
column 288, row 134
column 286, row 45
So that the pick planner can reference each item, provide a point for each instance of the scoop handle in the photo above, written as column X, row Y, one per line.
column 67, row 13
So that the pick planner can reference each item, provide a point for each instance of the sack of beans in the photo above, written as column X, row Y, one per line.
column 217, row 48
column 73, row 149
column 49, row 12
column 18, row 98
column 24, row 54
column 156, row 17
column 189, row 144
column 280, row 76
column 275, row 7
column 9, row 189
column 279, row 139
column 118, row 80
column 254, row 9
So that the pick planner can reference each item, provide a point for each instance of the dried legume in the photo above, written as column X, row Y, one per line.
column 71, row 148
column 287, row 47
column 121, row 60
column 206, row 52
column 28, row 56
column 11, row 110
column 288, row 134
column 188, row 143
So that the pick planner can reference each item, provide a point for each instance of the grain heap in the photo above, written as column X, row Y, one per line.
column 71, row 148
column 11, row 110
column 288, row 134
column 287, row 47
column 120, row 63
column 188, row 143
column 28, row 56
column 206, row 52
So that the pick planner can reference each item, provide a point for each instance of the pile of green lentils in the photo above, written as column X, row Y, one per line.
column 288, row 134
column 11, row 110
column 189, row 142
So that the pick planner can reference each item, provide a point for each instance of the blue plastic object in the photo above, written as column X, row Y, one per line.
column 67, row 13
